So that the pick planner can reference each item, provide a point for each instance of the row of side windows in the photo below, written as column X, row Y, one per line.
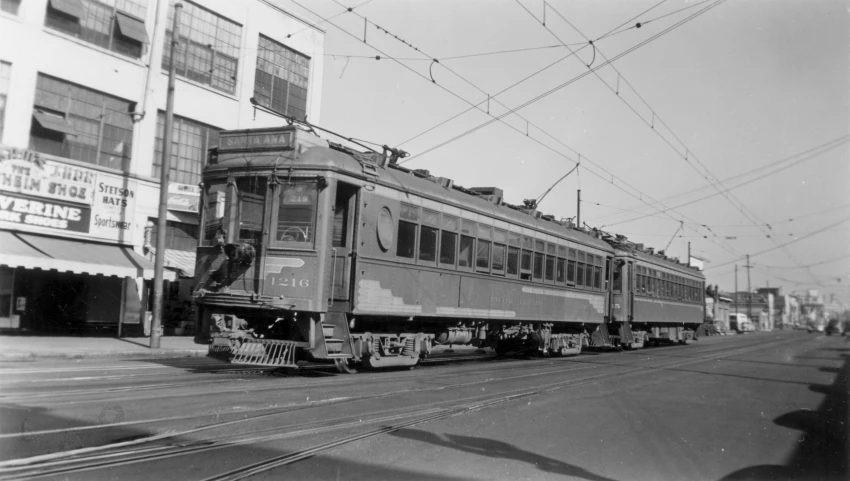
column 655, row 283
column 454, row 243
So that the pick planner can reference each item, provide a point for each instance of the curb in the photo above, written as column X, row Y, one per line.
column 157, row 354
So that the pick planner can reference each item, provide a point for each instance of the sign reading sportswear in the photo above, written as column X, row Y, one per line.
column 40, row 192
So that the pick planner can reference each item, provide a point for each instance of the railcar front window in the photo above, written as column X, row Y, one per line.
column 214, row 211
column 296, row 216
column 251, row 196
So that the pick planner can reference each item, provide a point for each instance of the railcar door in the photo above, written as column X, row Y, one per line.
column 342, row 241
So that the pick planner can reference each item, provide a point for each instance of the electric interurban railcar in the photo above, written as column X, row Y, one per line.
column 312, row 251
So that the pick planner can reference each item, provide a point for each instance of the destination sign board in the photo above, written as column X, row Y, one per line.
column 256, row 140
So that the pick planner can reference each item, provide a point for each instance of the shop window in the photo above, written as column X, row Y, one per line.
column 5, row 74
column 178, row 235
column 428, row 243
column 10, row 6
column 538, row 266
column 190, row 142
column 296, row 215
column 81, row 124
column 281, row 79
column 209, row 52
column 116, row 25
column 513, row 261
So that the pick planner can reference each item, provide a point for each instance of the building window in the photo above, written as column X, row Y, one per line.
column 178, row 235
column 10, row 6
column 281, row 79
column 190, row 141
column 116, row 25
column 81, row 124
column 209, row 47
column 5, row 74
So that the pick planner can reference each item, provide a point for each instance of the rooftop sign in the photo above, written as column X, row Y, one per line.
column 255, row 140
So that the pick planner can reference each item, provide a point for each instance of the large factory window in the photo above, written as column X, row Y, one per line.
column 407, row 226
column 296, row 215
column 190, row 142
column 448, row 240
column 209, row 52
column 281, row 79
column 81, row 124
column 116, row 25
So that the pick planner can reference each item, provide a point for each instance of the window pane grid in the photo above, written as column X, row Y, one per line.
column 209, row 50
column 189, row 143
column 98, row 25
column 281, row 79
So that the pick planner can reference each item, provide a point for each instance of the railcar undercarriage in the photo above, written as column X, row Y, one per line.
column 277, row 338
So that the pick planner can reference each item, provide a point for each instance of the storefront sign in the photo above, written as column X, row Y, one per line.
column 37, row 190
column 256, row 140
column 184, row 197
column 30, row 173
column 24, row 211
column 114, row 205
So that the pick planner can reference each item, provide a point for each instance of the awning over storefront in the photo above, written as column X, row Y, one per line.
column 69, row 255
column 181, row 261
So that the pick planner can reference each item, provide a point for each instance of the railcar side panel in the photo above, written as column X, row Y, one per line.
column 658, row 311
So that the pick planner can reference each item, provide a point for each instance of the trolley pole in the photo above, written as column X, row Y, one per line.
column 159, row 263
column 578, row 210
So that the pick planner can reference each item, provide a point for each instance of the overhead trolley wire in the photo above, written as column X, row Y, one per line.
column 734, row 201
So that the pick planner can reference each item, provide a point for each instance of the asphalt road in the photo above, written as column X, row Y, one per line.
column 760, row 406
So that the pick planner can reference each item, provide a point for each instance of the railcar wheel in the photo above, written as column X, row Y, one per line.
column 344, row 366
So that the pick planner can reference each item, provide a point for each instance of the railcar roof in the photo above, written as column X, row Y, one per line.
column 326, row 158
column 660, row 261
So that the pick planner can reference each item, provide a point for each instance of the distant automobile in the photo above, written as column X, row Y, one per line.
column 834, row 326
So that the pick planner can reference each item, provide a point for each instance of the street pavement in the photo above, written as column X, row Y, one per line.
column 761, row 406
column 32, row 347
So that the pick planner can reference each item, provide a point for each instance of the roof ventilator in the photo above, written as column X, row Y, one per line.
column 370, row 163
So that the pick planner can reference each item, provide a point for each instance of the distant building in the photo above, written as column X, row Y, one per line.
column 757, row 307
column 82, row 100
column 812, row 312
column 718, row 306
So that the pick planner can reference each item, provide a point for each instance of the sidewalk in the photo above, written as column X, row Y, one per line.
column 31, row 348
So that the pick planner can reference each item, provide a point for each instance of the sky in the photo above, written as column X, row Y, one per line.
column 715, row 122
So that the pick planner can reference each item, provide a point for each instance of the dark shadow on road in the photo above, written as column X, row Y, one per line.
column 822, row 452
column 498, row 449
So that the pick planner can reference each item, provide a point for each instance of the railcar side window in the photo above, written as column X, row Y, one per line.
column 580, row 269
column 513, row 261
column 550, row 268
column 214, row 210
column 407, row 226
column 560, row 270
column 498, row 258
column 428, row 235
column 448, row 240
column 251, row 198
column 468, row 230
column 538, row 266
column 588, row 271
column 571, row 267
column 597, row 277
column 525, row 260
column 296, row 215
column 482, row 257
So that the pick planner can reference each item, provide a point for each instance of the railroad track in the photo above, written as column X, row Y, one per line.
column 115, row 455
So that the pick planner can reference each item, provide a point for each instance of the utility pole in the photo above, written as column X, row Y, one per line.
column 749, row 290
column 159, row 263
column 578, row 210
column 736, row 292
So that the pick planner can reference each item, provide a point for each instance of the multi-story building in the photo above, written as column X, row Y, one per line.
column 82, row 98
